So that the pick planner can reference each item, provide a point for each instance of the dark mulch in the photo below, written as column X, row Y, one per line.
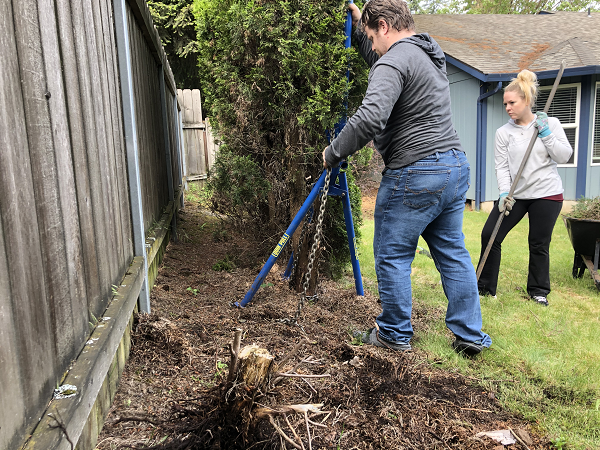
column 171, row 392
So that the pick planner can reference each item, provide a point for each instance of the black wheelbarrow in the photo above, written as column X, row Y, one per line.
column 585, row 238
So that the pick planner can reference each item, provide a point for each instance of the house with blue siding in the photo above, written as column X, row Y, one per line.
column 485, row 51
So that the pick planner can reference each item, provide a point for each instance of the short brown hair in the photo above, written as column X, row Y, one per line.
column 394, row 12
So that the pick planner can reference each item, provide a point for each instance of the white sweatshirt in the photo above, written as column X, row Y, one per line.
column 540, row 177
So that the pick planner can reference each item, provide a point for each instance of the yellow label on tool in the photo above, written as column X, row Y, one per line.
column 280, row 246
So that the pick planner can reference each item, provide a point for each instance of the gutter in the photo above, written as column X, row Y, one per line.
column 481, row 141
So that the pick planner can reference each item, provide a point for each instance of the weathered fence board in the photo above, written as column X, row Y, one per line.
column 103, row 31
column 121, row 160
column 149, row 120
column 84, row 143
column 70, row 319
column 40, row 332
column 10, row 417
column 20, row 231
column 173, row 131
column 21, row 244
column 199, row 142
column 96, row 135
column 66, row 228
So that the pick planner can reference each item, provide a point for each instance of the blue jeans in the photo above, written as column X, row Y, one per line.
column 426, row 198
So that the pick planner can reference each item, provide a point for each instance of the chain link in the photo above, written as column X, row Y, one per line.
column 296, row 255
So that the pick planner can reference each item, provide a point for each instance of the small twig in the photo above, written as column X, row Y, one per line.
column 309, row 360
column 234, row 350
column 136, row 418
column 279, row 379
column 287, row 357
column 308, row 430
column 293, row 430
column 285, row 409
column 478, row 410
column 301, row 375
column 317, row 424
column 518, row 438
column 439, row 439
column 309, row 385
column 326, row 417
column 282, row 434
column 61, row 425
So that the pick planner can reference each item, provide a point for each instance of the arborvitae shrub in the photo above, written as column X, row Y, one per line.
column 274, row 82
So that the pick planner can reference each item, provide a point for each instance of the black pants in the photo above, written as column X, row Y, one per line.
column 542, row 217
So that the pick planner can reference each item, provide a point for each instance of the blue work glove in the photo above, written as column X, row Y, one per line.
column 505, row 203
column 541, row 123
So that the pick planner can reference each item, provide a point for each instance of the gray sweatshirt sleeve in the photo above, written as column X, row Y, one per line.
column 385, row 86
column 365, row 48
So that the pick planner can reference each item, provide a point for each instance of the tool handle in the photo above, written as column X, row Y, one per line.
column 534, row 137
column 519, row 172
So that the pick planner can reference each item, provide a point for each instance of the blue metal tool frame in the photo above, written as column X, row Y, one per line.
column 335, row 189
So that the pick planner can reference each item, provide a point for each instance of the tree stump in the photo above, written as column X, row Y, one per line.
column 254, row 364
column 250, row 368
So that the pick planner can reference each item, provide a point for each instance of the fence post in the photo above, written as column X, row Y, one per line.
column 131, row 145
column 183, row 150
column 167, row 142
column 179, row 137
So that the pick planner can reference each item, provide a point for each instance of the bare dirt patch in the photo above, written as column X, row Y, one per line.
column 171, row 394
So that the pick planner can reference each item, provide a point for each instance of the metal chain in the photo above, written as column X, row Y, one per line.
column 315, row 245
column 297, row 253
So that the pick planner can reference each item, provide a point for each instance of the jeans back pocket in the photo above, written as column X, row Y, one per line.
column 425, row 187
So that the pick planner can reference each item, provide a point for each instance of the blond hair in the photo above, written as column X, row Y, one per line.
column 526, row 85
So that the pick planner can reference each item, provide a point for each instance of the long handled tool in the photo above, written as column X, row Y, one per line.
column 518, row 175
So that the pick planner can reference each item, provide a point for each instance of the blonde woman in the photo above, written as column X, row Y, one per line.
column 539, row 191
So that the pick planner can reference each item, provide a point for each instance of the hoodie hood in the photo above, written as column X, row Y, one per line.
column 429, row 46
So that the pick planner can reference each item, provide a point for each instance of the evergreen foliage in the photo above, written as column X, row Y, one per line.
column 277, row 76
column 176, row 25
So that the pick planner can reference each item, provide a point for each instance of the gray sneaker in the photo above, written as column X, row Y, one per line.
column 540, row 299
column 371, row 337
column 466, row 348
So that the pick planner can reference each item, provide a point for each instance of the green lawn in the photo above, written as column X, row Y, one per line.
column 544, row 362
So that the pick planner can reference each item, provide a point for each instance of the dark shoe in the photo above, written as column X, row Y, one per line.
column 372, row 337
column 540, row 299
column 466, row 348
column 484, row 293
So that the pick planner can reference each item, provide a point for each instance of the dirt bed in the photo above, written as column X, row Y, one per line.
column 171, row 393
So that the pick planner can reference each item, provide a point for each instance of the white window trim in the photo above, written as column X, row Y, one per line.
column 570, row 125
column 594, row 118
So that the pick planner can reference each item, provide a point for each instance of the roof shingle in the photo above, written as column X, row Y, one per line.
column 508, row 43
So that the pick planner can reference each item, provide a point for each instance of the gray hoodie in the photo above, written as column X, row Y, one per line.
column 406, row 109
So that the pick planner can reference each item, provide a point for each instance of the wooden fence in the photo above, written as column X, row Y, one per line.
column 90, row 160
column 199, row 141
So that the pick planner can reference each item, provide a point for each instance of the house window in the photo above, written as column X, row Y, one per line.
column 596, row 138
column 565, row 107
